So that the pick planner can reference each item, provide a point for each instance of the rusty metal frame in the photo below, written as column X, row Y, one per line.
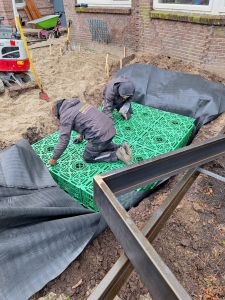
column 157, row 277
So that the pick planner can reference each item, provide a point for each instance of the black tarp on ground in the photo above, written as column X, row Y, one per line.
column 185, row 94
column 42, row 229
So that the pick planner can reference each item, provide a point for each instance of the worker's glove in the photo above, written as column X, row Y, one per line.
column 126, row 116
column 78, row 140
column 124, row 111
column 52, row 162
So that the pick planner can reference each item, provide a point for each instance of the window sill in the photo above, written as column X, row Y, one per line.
column 104, row 10
column 189, row 17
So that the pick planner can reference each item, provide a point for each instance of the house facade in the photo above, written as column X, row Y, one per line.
column 190, row 30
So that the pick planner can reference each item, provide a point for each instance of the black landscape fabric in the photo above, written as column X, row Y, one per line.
column 42, row 229
column 185, row 94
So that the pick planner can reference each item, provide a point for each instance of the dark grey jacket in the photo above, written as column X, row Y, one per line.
column 111, row 95
column 85, row 119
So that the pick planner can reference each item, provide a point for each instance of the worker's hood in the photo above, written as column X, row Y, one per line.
column 126, row 89
column 58, row 106
column 64, row 104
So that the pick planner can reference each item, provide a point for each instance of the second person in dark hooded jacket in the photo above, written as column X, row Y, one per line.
column 93, row 126
column 118, row 94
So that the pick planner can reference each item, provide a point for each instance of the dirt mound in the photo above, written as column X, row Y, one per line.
column 33, row 134
column 171, row 64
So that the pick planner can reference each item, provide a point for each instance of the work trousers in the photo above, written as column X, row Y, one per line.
column 101, row 151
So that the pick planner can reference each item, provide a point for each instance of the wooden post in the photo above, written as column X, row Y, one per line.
column 124, row 52
column 107, row 70
column 121, row 63
column 50, row 49
column 106, row 61
column 79, row 48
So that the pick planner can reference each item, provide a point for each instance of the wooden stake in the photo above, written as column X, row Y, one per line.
column 121, row 63
column 106, row 61
column 79, row 48
column 50, row 49
column 60, row 51
column 107, row 70
column 124, row 52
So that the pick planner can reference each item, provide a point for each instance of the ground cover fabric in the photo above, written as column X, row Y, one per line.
column 42, row 229
column 185, row 94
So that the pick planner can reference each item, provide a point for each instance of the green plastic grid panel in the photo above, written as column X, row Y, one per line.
column 163, row 142
column 143, row 115
column 88, row 170
column 88, row 201
column 173, row 122
column 145, row 133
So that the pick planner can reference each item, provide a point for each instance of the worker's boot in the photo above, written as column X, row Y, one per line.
column 122, row 155
column 128, row 150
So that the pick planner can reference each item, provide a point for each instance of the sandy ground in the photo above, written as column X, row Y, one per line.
column 61, row 77
column 192, row 242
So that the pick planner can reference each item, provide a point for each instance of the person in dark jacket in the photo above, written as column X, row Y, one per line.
column 93, row 126
column 118, row 93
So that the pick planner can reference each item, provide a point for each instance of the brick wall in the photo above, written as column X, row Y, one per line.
column 202, row 45
column 121, row 27
column 5, row 11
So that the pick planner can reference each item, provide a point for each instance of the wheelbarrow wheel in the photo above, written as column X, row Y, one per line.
column 50, row 35
column 40, row 36
column 57, row 34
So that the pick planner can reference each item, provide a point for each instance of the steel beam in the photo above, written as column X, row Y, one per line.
column 119, row 273
column 218, row 177
column 129, row 178
column 157, row 277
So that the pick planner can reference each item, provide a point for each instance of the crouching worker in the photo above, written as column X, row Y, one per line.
column 118, row 93
column 93, row 126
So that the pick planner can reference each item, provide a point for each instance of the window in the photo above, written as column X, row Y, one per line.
column 10, row 52
column 20, row 3
column 215, row 7
column 114, row 3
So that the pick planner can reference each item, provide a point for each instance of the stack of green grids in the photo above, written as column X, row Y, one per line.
column 150, row 132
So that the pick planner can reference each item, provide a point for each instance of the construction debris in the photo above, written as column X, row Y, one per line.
column 32, row 10
column 17, row 90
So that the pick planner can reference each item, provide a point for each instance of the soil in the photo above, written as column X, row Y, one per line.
column 192, row 243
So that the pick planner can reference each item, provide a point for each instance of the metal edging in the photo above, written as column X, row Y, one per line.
column 157, row 277
column 109, row 287
column 211, row 174
column 129, row 178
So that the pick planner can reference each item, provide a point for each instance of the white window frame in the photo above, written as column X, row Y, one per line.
column 18, row 5
column 113, row 3
column 222, row 6
column 215, row 7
